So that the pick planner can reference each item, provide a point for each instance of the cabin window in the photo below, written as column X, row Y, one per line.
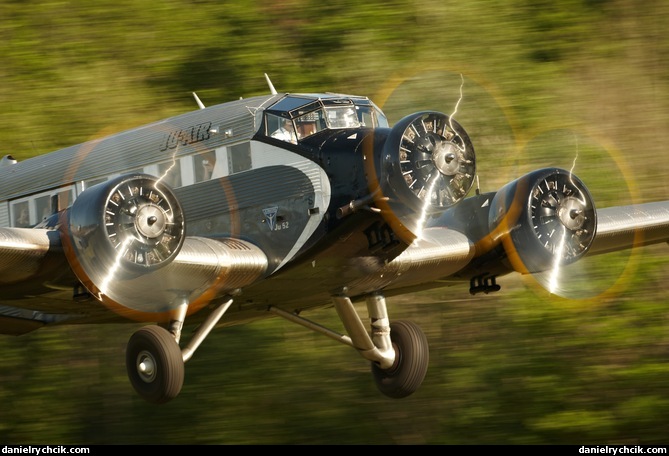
column 239, row 158
column 170, row 173
column 21, row 214
column 204, row 164
column 30, row 211
column 91, row 182
column 43, row 207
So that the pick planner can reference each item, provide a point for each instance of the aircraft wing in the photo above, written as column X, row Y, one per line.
column 24, row 252
column 33, row 263
column 624, row 227
column 37, row 255
column 207, row 268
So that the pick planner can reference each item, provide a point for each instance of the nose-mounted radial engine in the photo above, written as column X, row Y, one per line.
column 427, row 164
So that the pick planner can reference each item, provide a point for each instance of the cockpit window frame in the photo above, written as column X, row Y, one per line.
column 312, row 114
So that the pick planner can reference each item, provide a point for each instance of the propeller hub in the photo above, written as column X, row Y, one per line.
column 445, row 159
column 572, row 213
column 150, row 221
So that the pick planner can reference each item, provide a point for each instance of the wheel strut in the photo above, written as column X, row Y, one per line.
column 377, row 347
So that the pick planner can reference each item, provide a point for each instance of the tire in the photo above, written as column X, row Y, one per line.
column 155, row 346
column 412, row 356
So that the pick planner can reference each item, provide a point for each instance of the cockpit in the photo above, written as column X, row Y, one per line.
column 296, row 117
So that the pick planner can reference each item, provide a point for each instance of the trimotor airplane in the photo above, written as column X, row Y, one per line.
column 272, row 206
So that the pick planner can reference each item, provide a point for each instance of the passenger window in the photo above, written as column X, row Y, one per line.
column 204, row 166
column 65, row 199
column 170, row 173
column 239, row 158
column 91, row 182
column 21, row 214
column 43, row 207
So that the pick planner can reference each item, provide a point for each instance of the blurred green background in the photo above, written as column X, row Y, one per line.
column 582, row 83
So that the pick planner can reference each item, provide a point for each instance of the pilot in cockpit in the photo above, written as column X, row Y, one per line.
column 286, row 132
column 350, row 119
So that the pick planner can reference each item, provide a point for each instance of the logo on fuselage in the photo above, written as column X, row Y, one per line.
column 270, row 216
column 185, row 136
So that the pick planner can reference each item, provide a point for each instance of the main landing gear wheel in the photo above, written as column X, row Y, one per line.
column 155, row 364
column 412, row 356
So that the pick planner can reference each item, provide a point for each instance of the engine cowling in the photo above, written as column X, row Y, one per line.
column 121, row 229
column 546, row 218
column 427, row 164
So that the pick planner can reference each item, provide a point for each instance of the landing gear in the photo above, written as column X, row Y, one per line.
column 398, row 351
column 155, row 364
column 412, row 355
column 154, row 359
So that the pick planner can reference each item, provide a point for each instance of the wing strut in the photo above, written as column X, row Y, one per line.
column 377, row 348
column 204, row 329
column 398, row 351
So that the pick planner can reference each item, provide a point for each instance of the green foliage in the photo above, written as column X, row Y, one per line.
column 543, row 83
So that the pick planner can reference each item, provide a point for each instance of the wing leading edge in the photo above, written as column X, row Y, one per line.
column 624, row 227
column 40, row 287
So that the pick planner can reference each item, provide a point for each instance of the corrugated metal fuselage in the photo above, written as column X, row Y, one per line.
column 279, row 196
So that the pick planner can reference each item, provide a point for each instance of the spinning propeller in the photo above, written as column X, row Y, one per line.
column 564, row 218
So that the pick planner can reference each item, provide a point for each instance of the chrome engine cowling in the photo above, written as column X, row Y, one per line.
column 121, row 229
column 546, row 218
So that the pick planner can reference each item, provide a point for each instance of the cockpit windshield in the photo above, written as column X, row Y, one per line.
column 297, row 117
column 341, row 117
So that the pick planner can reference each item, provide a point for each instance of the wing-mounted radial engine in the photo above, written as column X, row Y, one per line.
column 120, row 231
column 125, row 240
column 545, row 219
column 426, row 165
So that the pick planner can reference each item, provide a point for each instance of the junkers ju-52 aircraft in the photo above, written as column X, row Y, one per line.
column 272, row 206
